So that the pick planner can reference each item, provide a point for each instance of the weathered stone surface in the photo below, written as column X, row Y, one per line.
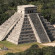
column 26, row 26
column 8, row 25
column 39, row 28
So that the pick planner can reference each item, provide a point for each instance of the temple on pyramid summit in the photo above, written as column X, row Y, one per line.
column 27, row 26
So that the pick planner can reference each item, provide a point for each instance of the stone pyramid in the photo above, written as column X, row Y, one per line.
column 27, row 26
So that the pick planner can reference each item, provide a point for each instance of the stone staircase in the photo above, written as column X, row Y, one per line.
column 14, row 35
column 49, row 28
column 7, row 26
column 26, row 35
column 39, row 28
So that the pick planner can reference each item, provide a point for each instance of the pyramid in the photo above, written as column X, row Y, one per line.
column 27, row 26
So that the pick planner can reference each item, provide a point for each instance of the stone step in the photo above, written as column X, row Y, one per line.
column 42, row 18
column 53, row 34
column 26, row 40
column 52, row 28
column 52, row 31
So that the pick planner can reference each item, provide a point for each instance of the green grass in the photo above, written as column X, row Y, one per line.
column 8, row 44
column 16, row 48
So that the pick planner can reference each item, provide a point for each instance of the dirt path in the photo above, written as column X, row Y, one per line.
column 49, row 44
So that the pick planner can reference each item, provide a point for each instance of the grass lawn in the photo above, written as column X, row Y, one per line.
column 15, row 48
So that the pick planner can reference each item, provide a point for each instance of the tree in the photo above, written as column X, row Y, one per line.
column 47, row 14
column 34, row 46
column 10, row 54
column 52, row 20
column 48, row 50
column 34, row 50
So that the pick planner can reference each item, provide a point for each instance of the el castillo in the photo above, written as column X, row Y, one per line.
column 29, row 30
column 26, row 26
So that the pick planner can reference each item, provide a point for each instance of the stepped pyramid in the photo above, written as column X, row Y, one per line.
column 27, row 26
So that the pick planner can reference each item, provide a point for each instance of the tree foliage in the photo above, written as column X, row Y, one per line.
column 35, row 50
column 46, row 7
